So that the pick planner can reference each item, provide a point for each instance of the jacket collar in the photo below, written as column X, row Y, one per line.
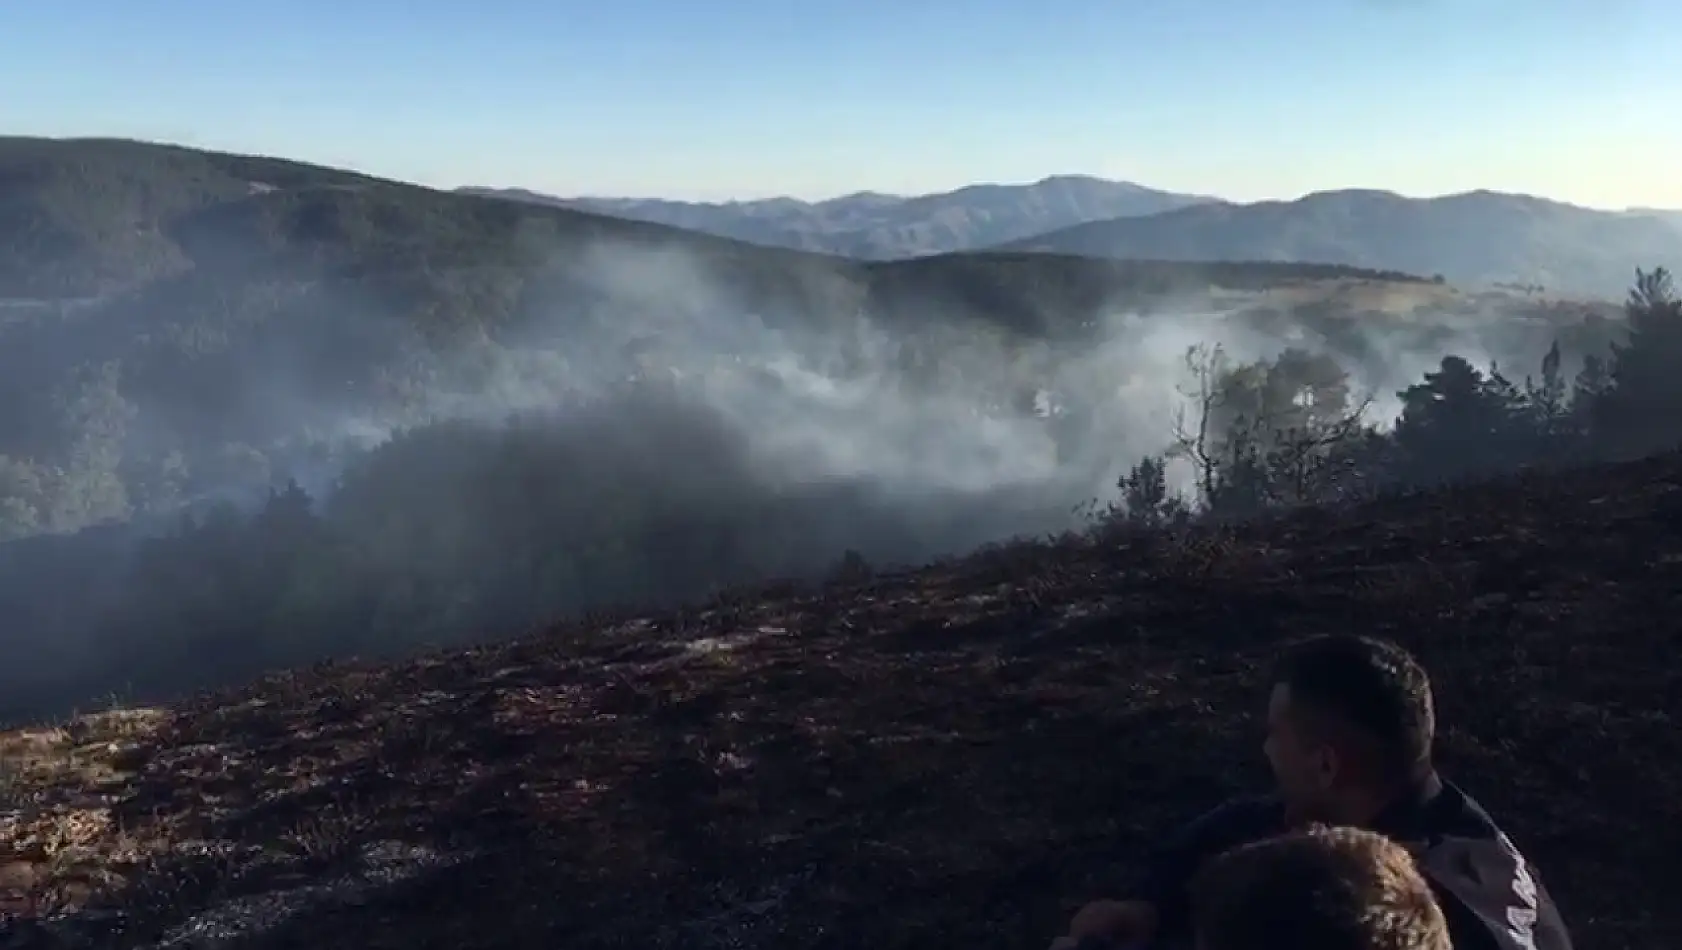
column 1403, row 816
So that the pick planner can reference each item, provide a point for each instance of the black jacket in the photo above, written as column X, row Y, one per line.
column 1491, row 896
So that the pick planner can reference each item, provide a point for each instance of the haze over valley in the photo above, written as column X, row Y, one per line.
column 185, row 330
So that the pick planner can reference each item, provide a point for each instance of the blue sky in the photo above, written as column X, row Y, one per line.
column 1574, row 99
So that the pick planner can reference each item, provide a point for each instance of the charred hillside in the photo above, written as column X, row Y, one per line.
column 951, row 757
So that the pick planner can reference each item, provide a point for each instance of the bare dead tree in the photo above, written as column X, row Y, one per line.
column 1193, row 440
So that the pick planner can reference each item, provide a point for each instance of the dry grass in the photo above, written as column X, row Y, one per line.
column 1410, row 299
column 952, row 757
column 1367, row 296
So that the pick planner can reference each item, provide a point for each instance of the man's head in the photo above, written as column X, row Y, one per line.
column 1319, row 889
column 1349, row 722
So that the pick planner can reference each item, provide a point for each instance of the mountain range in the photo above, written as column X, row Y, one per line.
column 874, row 226
column 1475, row 238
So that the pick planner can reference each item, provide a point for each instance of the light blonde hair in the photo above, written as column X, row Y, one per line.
column 1317, row 889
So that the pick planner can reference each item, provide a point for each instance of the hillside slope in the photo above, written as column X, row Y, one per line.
column 874, row 226
column 1478, row 238
column 951, row 757
column 82, row 217
column 85, row 217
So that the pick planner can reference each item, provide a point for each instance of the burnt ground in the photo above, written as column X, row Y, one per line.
column 952, row 757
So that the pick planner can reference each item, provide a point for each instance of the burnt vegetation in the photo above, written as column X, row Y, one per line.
column 952, row 755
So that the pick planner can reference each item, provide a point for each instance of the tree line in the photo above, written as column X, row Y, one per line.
column 1291, row 431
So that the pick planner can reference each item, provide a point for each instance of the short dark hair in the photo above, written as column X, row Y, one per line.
column 1317, row 889
column 1373, row 685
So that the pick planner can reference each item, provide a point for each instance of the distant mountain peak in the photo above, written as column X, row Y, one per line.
column 1334, row 194
column 869, row 196
column 1482, row 236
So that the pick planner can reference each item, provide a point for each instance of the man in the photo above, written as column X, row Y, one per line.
column 1320, row 889
column 1350, row 726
